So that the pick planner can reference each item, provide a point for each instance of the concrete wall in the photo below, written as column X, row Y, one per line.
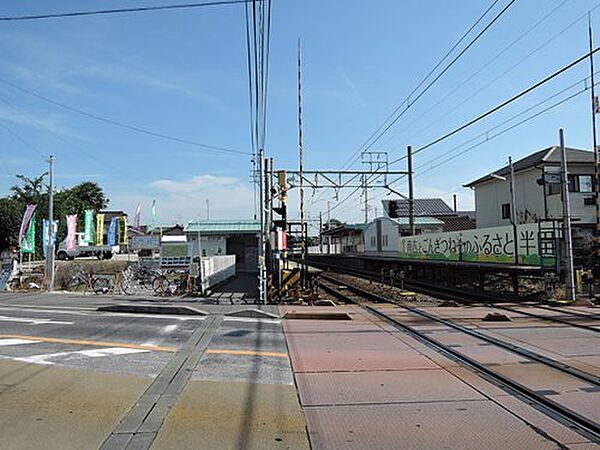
column 490, row 196
column 209, row 245
column 384, row 242
column 216, row 269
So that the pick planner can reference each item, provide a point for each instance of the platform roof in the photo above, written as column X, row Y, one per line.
column 404, row 221
column 223, row 227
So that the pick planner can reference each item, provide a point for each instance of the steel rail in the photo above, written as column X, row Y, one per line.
column 585, row 376
column 461, row 295
column 566, row 416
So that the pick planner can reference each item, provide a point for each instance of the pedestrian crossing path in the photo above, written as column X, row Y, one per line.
column 51, row 350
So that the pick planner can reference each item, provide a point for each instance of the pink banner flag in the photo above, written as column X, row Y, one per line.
column 25, row 222
column 136, row 219
column 71, row 231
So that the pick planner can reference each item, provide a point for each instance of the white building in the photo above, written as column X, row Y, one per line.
column 381, row 235
column 226, row 237
column 537, row 191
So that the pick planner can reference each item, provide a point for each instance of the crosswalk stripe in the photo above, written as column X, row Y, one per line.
column 91, row 343
column 33, row 321
column 6, row 342
column 96, row 353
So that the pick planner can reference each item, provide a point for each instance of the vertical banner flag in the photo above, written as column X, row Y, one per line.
column 28, row 242
column 153, row 224
column 25, row 222
column 88, row 231
column 112, row 232
column 136, row 219
column 123, row 230
column 45, row 235
column 71, row 231
column 99, row 229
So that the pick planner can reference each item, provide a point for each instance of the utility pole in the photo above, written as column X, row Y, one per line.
column 569, row 275
column 366, row 200
column 455, row 202
column 207, row 209
column 328, row 227
column 595, row 108
column 261, row 244
column 50, row 229
column 411, row 199
column 513, row 208
column 301, row 169
column 321, row 232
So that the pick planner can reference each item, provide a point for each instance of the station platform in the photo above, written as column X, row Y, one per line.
column 482, row 266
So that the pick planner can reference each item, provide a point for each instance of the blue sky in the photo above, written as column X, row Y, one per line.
column 183, row 73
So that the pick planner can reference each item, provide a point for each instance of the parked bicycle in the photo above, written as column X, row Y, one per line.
column 80, row 281
column 171, row 282
column 137, row 279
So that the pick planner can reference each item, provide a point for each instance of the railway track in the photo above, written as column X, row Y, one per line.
column 559, row 411
column 469, row 297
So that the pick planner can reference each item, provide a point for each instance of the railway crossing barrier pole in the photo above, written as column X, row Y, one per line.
column 569, row 276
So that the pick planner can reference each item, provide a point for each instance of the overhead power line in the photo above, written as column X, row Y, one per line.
column 380, row 131
column 399, row 112
column 493, row 59
column 486, row 137
column 121, row 124
column 501, row 105
column 122, row 10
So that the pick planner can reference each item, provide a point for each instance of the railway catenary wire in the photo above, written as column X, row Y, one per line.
column 463, row 296
column 577, row 422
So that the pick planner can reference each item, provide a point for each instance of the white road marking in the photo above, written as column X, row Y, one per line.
column 110, row 351
column 168, row 329
column 100, row 314
column 33, row 321
column 96, row 353
column 250, row 320
column 5, row 342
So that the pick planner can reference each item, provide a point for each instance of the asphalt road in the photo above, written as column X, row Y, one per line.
column 119, row 358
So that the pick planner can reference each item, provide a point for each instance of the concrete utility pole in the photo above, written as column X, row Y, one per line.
column 595, row 110
column 366, row 200
column 411, row 198
column 321, row 232
column 301, row 169
column 207, row 209
column 513, row 209
column 261, row 240
column 569, row 275
column 455, row 202
column 328, row 227
column 50, row 230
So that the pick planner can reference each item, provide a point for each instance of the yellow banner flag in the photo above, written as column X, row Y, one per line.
column 123, row 230
column 99, row 229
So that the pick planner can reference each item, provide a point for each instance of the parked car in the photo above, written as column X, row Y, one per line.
column 82, row 248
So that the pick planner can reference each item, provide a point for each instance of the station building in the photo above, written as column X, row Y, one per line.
column 226, row 237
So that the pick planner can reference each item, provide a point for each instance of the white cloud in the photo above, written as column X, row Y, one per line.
column 195, row 184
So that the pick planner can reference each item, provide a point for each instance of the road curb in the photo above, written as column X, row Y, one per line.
column 153, row 309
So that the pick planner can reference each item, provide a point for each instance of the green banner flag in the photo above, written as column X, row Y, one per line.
column 28, row 243
column 88, row 231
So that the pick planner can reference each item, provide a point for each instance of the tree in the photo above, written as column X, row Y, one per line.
column 74, row 200
column 31, row 191
column 10, row 222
